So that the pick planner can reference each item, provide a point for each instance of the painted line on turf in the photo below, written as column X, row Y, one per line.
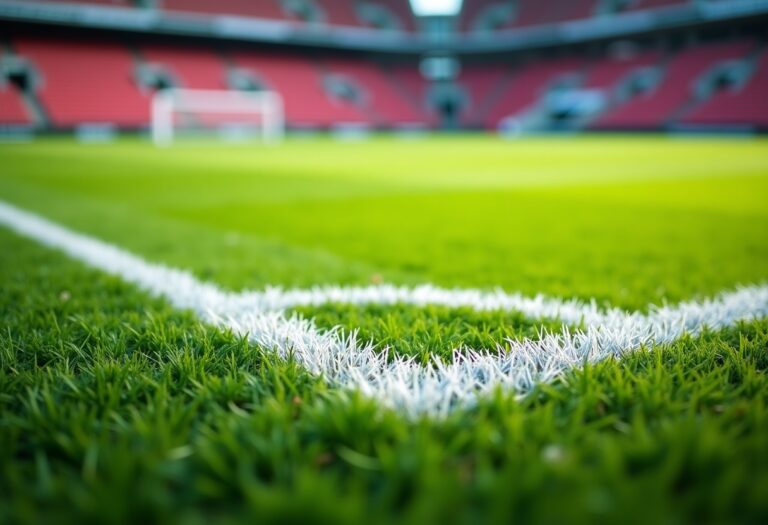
column 397, row 381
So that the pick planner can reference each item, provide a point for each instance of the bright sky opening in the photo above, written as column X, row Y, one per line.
column 436, row 7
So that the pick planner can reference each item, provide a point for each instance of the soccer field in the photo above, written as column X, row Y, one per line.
column 125, row 401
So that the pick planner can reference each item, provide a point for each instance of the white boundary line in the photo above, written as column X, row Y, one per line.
column 396, row 381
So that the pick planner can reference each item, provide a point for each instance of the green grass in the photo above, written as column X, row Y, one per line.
column 627, row 221
column 115, row 408
column 432, row 330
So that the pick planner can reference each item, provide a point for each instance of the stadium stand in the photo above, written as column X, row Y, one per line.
column 12, row 108
column 606, row 73
column 745, row 105
column 527, row 85
column 536, row 12
column 509, row 14
column 411, row 81
column 86, row 82
column 113, row 3
column 528, row 13
column 271, row 9
column 82, row 78
column 401, row 10
column 340, row 12
column 331, row 12
column 576, row 10
column 531, row 13
column 414, row 87
column 480, row 83
column 299, row 81
column 654, row 4
column 471, row 13
column 188, row 67
column 658, row 106
column 388, row 106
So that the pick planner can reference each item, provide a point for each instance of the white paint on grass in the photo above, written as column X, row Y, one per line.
column 398, row 381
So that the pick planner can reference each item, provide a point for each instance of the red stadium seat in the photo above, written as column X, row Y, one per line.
column 655, row 108
column 389, row 106
column 471, row 11
column 536, row 12
column 101, row 81
column 745, row 106
column 412, row 81
column 527, row 13
column 655, row 4
column 190, row 67
column 340, row 13
column 112, row 3
column 270, row 9
column 480, row 82
column 86, row 82
column 402, row 10
column 606, row 73
column 12, row 108
column 300, row 83
column 527, row 85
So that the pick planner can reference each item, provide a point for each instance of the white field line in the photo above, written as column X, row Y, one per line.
column 396, row 381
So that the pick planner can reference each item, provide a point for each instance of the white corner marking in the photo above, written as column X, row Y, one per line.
column 397, row 381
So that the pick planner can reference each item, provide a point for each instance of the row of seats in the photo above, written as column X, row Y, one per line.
column 12, row 107
column 387, row 102
column 533, row 12
column 83, row 82
column 299, row 82
column 497, row 93
column 654, row 4
column 527, row 86
column 527, row 13
column 522, row 13
column 261, row 9
column 334, row 12
column 607, row 73
column 91, row 82
column 747, row 106
column 113, row 3
column 658, row 105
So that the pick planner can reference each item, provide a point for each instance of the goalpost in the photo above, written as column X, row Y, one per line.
column 234, row 113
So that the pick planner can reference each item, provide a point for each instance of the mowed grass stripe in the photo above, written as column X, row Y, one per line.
column 117, row 408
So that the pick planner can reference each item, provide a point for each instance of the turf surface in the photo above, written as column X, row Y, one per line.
column 115, row 408
column 628, row 221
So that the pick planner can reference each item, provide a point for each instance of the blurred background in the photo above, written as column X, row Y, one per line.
column 92, row 67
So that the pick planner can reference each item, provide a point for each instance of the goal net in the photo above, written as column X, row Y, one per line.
column 234, row 115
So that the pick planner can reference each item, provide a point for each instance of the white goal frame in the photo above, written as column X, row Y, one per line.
column 166, row 103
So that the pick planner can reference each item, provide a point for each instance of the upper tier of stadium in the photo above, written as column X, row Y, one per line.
column 510, row 65
column 474, row 15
